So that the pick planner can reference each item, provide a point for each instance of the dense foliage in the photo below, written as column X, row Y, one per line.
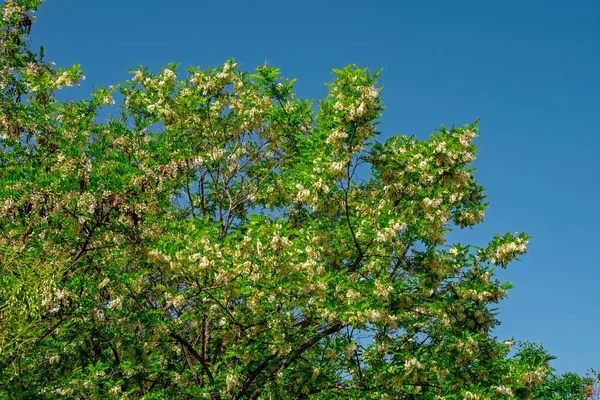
column 220, row 238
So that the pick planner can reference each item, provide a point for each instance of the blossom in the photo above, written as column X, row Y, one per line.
column 336, row 137
column 504, row 390
column 349, row 350
column 337, row 166
column 381, row 290
column 168, row 76
column 189, row 217
column 115, row 304
column 115, row 389
column 411, row 364
column 108, row 99
column 471, row 396
column 231, row 381
column 508, row 251
column 61, row 294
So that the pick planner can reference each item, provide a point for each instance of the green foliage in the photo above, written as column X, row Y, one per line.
column 213, row 238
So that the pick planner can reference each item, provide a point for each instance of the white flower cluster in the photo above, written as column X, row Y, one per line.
column 64, row 392
column 231, row 381
column 508, row 251
column 115, row 390
column 174, row 301
column 320, row 185
column 352, row 295
column 197, row 162
column 504, row 390
column 115, row 304
column 7, row 207
column 336, row 137
column 388, row 233
column 210, row 85
column 10, row 8
column 349, row 350
column 337, row 166
column 360, row 106
column 431, row 204
column 411, row 364
column 471, row 396
column 61, row 294
column 167, row 76
column 156, row 255
column 108, row 99
column 279, row 242
column 87, row 203
column 303, row 193
column 469, row 346
column 65, row 79
column 382, row 291
column 535, row 377
column 472, row 294
column 466, row 137
column 138, row 75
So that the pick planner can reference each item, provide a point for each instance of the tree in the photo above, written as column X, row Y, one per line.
column 221, row 238
column 555, row 387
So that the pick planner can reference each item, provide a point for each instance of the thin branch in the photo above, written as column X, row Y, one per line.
column 197, row 356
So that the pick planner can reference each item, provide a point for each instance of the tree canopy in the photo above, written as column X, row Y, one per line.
column 218, row 237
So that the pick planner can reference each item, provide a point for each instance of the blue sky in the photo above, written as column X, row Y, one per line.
column 528, row 69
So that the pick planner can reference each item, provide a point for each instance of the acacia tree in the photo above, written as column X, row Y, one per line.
column 215, row 239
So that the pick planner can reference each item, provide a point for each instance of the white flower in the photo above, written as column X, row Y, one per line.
column 169, row 76
column 230, row 381
column 303, row 194
column 352, row 295
column 337, row 166
column 137, row 75
column 508, row 251
column 349, row 350
column 411, row 364
column 197, row 161
column 278, row 242
column 115, row 390
column 382, row 291
column 61, row 294
column 9, row 9
column 108, row 100
column 316, row 373
column 115, row 304
column 336, row 136
column 360, row 111
column 372, row 92
column 322, row 186
column 504, row 390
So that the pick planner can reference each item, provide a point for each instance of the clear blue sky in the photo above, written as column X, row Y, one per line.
column 528, row 69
